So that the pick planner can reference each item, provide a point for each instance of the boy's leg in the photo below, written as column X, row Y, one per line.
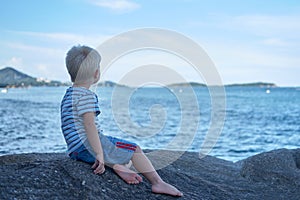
column 144, row 166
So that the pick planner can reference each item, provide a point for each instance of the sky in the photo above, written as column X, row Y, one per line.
column 248, row 41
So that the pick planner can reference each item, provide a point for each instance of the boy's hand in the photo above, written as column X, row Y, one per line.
column 98, row 166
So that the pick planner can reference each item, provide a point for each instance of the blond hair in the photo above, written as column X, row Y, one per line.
column 82, row 62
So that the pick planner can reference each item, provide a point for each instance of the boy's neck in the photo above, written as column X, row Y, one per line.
column 84, row 85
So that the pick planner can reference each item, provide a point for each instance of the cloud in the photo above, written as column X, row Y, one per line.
column 42, row 67
column 243, row 64
column 35, row 49
column 267, row 25
column 120, row 6
column 36, row 60
column 14, row 61
column 270, row 26
column 270, row 21
column 68, row 38
column 254, row 45
column 244, row 55
column 275, row 42
column 42, row 54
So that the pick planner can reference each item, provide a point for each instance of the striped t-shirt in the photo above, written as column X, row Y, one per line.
column 75, row 103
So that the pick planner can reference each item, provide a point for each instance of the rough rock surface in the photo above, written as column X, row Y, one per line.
column 270, row 175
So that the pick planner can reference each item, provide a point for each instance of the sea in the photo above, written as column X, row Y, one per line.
column 255, row 119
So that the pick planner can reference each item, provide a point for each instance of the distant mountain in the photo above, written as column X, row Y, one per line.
column 193, row 84
column 196, row 84
column 256, row 84
column 10, row 77
column 110, row 84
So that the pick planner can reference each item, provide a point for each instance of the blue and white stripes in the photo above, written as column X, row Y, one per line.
column 75, row 103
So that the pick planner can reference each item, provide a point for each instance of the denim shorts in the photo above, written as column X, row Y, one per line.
column 115, row 151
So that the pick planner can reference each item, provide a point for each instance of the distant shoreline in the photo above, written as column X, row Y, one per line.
column 12, row 78
column 167, row 86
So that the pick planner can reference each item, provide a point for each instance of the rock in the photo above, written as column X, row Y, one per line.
column 278, row 166
column 270, row 175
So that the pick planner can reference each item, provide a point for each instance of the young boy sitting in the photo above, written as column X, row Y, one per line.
column 81, row 128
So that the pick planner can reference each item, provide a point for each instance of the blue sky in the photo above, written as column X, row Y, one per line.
column 248, row 41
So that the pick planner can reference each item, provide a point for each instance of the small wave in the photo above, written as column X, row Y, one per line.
column 242, row 151
column 21, row 138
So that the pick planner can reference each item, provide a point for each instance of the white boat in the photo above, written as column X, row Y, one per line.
column 4, row 90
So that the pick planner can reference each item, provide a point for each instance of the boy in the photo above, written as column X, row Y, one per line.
column 79, row 111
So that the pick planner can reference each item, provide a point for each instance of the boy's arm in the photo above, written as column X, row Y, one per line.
column 93, row 138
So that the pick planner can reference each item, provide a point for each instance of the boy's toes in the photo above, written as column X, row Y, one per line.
column 139, row 178
column 180, row 194
column 127, row 175
column 133, row 182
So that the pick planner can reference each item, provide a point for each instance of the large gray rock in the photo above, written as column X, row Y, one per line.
column 271, row 175
column 275, row 167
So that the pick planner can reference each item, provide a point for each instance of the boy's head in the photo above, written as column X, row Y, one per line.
column 83, row 64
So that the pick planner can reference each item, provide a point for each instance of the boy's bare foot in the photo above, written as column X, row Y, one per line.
column 129, row 164
column 165, row 188
column 127, row 175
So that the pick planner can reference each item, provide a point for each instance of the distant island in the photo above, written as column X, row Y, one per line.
column 110, row 84
column 10, row 78
column 193, row 84
column 256, row 84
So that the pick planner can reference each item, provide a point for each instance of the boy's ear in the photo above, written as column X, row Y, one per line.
column 97, row 74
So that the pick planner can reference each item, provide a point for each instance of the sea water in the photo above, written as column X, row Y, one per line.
column 256, row 119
